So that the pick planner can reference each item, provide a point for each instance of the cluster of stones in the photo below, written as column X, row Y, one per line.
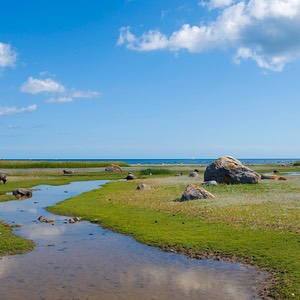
column 75, row 220
column 46, row 220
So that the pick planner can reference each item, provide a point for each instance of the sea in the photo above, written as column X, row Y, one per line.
column 172, row 161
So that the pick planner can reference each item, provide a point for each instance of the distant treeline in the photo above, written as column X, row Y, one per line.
column 17, row 164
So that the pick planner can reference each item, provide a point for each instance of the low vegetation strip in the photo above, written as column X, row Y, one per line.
column 7, row 164
column 199, row 228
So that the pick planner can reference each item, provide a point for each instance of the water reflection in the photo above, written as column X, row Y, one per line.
column 85, row 261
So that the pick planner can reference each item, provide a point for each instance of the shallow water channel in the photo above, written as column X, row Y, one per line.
column 85, row 261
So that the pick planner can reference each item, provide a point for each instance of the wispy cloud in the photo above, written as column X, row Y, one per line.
column 8, row 56
column 60, row 93
column 59, row 100
column 265, row 31
column 36, row 86
column 213, row 4
column 85, row 94
column 11, row 110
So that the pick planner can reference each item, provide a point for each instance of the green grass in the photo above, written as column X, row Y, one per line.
column 257, row 224
column 5, row 164
column 11, row 244
column 241, row 223
column 155, row 171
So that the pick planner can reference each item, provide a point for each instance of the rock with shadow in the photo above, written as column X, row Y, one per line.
column 229, row 170
column 194, row 192
column 130, row 176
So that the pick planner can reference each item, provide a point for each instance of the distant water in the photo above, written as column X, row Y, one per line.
column 172, row 161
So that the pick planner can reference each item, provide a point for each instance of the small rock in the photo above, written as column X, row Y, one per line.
column 193, row 192
column 68, row 172
column 194, row 174
column 50, row 220
column 143, row 186
column 210, row 182
column 269, row 176
column 42, row 219
column 130, row 176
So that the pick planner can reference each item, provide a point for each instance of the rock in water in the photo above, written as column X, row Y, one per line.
column 229, row 170
column 193, row 192
column 21, row 192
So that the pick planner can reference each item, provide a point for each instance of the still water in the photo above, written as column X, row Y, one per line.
column 85, row 261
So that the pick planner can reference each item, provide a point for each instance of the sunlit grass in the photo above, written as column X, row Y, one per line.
column 256, row 223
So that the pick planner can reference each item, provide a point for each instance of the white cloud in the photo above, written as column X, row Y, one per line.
column 8, row 56
column 265, row 31
column 213, row 4
column 59, row 100
column 85, row 94
column 36, row 86
column 50, row 86
column 13, row 110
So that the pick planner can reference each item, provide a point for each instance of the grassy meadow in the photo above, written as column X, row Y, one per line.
column 255, row 224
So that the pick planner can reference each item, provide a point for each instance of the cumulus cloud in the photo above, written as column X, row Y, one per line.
column 8, row 56
column 50, row 86
column 36, row 86
column 265, row 31
column 13, row 110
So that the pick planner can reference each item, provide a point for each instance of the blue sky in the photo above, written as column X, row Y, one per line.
column 149, row 79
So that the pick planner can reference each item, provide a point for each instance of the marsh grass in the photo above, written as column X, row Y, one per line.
column 257, row 224
column 155, row 171
column 5, row 164
column 11, row 244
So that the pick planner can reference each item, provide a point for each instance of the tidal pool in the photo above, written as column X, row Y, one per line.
column 85, row 261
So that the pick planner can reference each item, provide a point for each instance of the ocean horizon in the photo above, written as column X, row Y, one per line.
column 166, row 161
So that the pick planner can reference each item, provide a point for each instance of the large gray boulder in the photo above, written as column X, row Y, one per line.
column 193, row 192
column 229, row 170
